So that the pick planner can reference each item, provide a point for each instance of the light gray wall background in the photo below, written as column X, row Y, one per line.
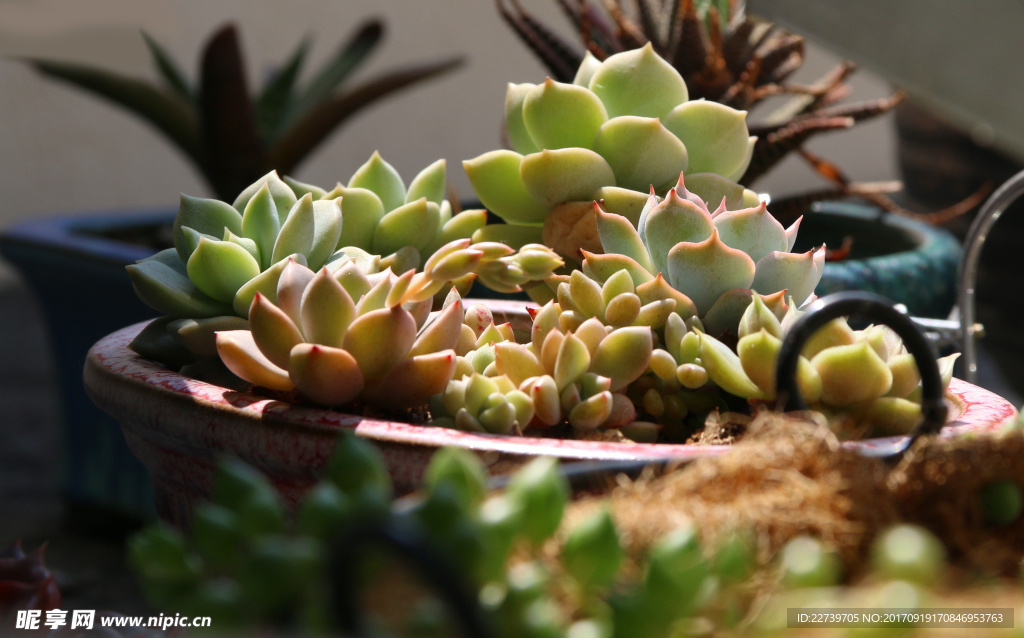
column 62, row 151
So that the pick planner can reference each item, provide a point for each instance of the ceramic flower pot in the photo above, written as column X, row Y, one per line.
column 179, row 427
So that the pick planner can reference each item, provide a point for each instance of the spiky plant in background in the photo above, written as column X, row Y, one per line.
column 725, row 57
column 231, row 136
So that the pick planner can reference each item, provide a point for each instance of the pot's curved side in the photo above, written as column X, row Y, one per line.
column 180, row 427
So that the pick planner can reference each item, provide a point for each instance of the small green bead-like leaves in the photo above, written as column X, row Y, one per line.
column 380, row 177
column 220, row 268
column 553, row 177
column 206, row 216
column 591, row 412
column 716, row 135
column 641, row 152
column 260, row 223
column 592, row 552
column 515, row 95
column 724, row 367
column 463, row 470
column 623, row 355
column 560, row 115
column 572, row 361
column 496, row 180
column 638, row 82
column 540, row 492
column 431, row 183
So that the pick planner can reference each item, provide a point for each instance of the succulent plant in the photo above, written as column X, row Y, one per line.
column 865, row 373
column 705, row 261
column 340, row 336
column 622, row 128
column 726, row 57
column 224, row 254
column 230, row 136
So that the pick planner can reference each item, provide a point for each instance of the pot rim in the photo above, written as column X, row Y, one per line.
column 110, row 364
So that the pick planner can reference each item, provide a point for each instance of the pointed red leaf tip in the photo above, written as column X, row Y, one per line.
column 654, row 193
column 315, row 350
column 681, row 184
column 548, row 82
column 533, row 312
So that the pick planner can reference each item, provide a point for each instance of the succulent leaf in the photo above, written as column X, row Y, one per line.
column 671, row 222
column 560, row 115
column 380, row 177
column 329, row 376
column 206, row 216
column 168, row 289
column 716, row 134
column 283, row 196
column 327, row 311
column 521, row 141
column 706, row 270
column 623, row 355
column 562, row 175
column 638, row 82
column 619, row 236
column 851, row 374
column 361, row 211
column 239, row 353
column 379, row 339
column 260, row 223
column 265, row 283
column 431, row 183
column 273, row 331
column 754, row 231
column 797, row 274
column 220, row 268
column 496, row 180
column 641, row 152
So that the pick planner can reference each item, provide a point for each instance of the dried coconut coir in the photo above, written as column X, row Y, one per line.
column 790, row 476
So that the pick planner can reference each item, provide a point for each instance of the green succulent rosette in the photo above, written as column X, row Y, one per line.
column 225, row 253
column 624, row 127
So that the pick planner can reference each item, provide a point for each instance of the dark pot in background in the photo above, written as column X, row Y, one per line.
column 904, row 260
column 75, row 270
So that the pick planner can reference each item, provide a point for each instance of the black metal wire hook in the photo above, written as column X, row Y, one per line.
column 879, row 310
column 411, row 546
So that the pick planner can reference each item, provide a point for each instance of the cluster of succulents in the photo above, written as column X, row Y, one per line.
column 624, row 127
column 727, row 56
column 224, row 254
column 867, row 374
column 251, row 566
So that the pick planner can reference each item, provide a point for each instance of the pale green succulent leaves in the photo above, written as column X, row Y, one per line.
column 382, row 179
column 638, row 82
column 717, row 135
column 496, row 181
column 560, row 115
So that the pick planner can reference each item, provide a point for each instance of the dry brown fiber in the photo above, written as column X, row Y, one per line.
column 789, row 477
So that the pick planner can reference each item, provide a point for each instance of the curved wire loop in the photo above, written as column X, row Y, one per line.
column 879, row 310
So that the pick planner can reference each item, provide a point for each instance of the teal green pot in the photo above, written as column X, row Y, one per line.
column 907, row 261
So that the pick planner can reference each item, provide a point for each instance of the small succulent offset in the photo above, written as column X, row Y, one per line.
column 233, row 137
column 624, row 127
column 224, row 254
column 867, row 373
